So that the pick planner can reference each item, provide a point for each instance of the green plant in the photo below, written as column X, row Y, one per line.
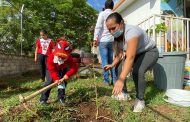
column 159, row 28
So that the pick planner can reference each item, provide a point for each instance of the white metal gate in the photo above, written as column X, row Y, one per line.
column 170, row 33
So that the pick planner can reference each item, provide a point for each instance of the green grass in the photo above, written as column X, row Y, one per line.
column 81, row 103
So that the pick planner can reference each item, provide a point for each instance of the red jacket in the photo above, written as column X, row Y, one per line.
column 45, row 46
column 54, row 68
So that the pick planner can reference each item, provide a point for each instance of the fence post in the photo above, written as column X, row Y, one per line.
column 22, row 8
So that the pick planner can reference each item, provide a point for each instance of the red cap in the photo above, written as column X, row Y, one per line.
column 62, row 49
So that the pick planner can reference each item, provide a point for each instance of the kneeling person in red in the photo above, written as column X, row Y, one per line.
column 57, row 70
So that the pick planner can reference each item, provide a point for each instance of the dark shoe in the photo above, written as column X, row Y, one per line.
column 43, row 102
column 62, row 101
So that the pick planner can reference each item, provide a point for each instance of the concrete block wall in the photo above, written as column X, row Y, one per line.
column 16, row 65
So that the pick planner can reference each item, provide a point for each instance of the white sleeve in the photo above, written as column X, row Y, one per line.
column 99, row 25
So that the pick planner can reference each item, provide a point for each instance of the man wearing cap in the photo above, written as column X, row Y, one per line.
column 57, row 70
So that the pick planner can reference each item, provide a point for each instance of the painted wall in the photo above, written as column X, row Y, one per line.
column 140, row 10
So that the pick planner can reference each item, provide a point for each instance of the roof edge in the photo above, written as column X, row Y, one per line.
column 118, row 4
column 122, row 4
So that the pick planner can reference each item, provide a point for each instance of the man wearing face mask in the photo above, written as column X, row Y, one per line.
column 44, row 47
column 105, row 43
column 136, row 51
column 57, row 70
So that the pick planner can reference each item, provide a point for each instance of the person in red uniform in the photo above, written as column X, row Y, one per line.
column 60, row 66
column 44, row 47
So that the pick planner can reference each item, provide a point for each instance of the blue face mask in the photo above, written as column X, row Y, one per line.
column 117, row 33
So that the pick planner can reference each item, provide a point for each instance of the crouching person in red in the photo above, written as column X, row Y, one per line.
column 57, row 70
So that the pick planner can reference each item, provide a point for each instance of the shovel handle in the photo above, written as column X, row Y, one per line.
column 27, row 98
column 39, row 92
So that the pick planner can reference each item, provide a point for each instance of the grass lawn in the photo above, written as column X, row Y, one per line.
column 87, row 99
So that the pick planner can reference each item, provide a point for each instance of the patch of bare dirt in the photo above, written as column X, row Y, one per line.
column 166, row 112
column 13, row 87
column 166, row 109
column 16, row 109
column 31, row 75
column 87, row 112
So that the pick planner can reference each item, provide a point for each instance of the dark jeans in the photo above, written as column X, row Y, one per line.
column 42, row 61
column 61, row 91
column 142, row 63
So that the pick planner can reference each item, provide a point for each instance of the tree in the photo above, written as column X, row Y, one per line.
column 73, row 17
